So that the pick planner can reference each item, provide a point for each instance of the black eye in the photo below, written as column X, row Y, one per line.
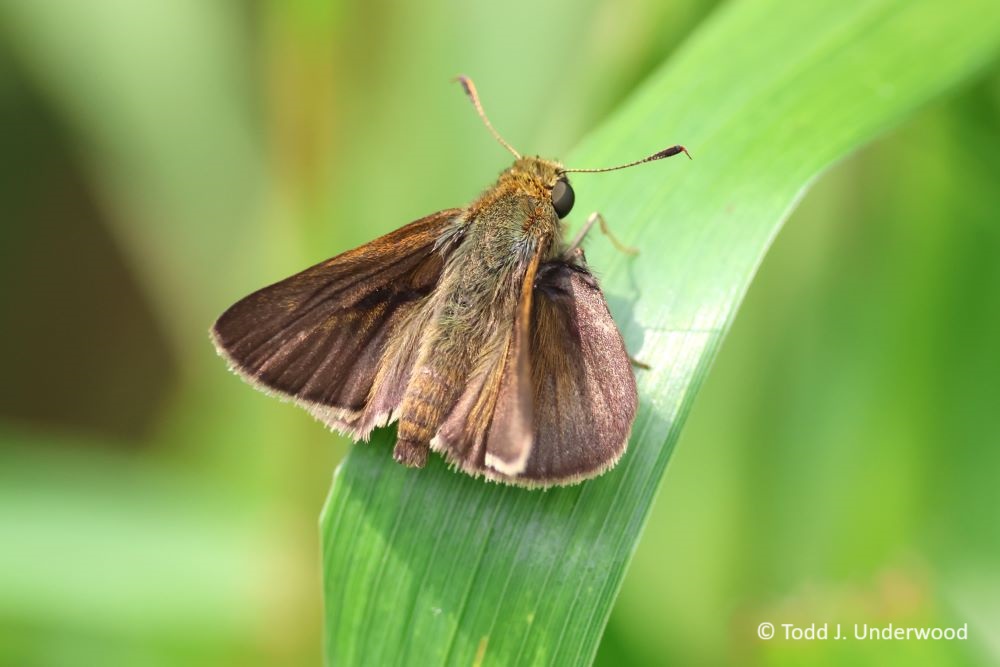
column 562, row 198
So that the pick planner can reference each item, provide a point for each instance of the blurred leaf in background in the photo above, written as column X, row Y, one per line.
column 162, row 159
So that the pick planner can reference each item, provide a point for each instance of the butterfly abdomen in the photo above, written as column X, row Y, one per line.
column 453, row 338
column 430, row 394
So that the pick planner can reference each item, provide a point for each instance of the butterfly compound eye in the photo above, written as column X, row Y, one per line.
column 562, row 198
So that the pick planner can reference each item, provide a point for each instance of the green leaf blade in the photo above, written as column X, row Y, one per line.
column 431, row 567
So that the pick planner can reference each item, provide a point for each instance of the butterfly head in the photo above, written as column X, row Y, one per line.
column 548, row 180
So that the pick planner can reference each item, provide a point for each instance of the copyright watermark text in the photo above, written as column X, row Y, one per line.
column 860, row 632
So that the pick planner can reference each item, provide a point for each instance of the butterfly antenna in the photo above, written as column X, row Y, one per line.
column 666, row 152
column 470, row 90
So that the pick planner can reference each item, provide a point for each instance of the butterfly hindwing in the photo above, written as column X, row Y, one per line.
column 584, row 391
column 557, row 406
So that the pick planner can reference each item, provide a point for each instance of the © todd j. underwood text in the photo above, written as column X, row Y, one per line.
column 860, row 631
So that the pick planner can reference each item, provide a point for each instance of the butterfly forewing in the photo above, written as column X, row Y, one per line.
column 320, row 336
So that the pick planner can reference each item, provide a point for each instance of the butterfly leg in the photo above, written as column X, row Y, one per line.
column 598, row 219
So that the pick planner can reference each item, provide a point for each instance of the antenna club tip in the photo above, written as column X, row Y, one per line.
column 670, row 152
column 465, row 81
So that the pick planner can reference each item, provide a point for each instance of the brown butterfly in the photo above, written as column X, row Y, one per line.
column 478, row 329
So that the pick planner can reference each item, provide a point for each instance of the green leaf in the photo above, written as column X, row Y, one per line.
column 431, row 567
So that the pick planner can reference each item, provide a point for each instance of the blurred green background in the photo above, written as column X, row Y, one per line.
column 162, row 159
